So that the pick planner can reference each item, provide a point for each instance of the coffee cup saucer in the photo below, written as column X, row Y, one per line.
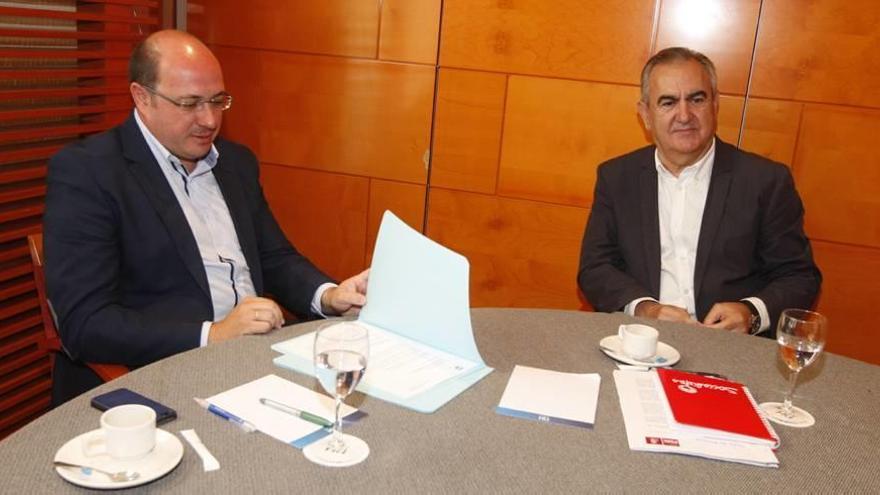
column 666, row 354
column 164, row 457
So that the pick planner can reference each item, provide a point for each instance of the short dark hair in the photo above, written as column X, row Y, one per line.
column 143, row 67
column 676, row 54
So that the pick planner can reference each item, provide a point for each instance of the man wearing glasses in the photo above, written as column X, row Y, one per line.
column 157, row 236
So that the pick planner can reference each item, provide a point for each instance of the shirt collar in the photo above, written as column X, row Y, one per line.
column 167, row 159
column 700, row 170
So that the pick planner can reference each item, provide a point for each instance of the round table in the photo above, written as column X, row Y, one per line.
column 465, row 447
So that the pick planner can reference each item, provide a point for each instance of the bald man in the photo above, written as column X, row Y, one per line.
column 158, row 238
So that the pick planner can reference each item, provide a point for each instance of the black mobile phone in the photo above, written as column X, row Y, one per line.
column 122, row 396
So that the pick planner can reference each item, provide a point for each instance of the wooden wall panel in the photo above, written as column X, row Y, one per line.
column 724, row 30
column 838, row 173
column 771, row 128
column 581, row 39
column 407, row 201
column 522, row 254
column 409, row 30
column 324, row 215
column 333, row 27
column 849, row 298
column 334, row 114
column 819, row 51
column 729, row 117
column 553, row 140
column 467, row 130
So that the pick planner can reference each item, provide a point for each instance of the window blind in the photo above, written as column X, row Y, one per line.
column 63, row 76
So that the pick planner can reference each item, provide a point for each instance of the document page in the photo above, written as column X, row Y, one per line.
column 243, row 401
column 396, row 365
column 551, row 396
column 649, row 426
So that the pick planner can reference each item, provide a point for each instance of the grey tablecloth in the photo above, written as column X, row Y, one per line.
column 465, row 447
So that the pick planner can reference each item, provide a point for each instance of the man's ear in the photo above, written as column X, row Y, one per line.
column 139, row 95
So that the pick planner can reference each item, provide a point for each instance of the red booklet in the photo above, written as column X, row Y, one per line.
column 721, row 405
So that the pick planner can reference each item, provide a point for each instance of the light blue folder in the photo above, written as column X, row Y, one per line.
column 417, row 289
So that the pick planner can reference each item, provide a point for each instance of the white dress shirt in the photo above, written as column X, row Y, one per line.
column 206, row 212
column 680, row 204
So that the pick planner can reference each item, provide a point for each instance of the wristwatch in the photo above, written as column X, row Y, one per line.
column 754, row 318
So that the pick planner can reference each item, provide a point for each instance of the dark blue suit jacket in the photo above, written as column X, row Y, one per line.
column 751, row 243
column 123, row 270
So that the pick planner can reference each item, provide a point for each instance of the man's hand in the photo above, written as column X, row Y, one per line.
column 348, row 298
column 733, row 316
column 252, row 315
column 657, row 311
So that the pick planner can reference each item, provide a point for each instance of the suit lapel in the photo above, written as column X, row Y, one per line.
column 716, row 199
column 143, row 166
column 650, row 221
column 233, row 192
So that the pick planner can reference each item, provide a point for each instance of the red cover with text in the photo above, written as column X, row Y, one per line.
column 723, row 405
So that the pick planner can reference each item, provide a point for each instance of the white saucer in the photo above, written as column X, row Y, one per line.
column 164, row 457
column 666, row 354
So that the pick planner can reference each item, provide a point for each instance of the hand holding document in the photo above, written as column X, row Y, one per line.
column 422, row 348
column 551, row 396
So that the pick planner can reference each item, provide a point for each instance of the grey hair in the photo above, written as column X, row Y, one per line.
column 677, row 54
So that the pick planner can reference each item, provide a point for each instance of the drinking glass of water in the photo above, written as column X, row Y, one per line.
column 801, row 336
column 341, row 352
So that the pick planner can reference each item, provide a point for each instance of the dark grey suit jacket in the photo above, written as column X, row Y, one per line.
column 123, row 269
column 751, row 243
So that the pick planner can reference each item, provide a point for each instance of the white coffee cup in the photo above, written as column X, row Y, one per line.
column 638, row 341
column 127, row 432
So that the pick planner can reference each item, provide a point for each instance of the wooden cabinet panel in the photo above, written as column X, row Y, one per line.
column 409, row 30
column 335, row 27
column 324, row 215
column 334, row 114
column 407, row 201
column 582, row 39
column 837, row 173
column 557, row 132
column 467, row 130
column 771, row 128
column 819, row 51
column 849, row 298
column 723, row 30
column 522, row 253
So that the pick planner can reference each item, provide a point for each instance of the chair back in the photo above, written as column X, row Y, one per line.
column 51, row 341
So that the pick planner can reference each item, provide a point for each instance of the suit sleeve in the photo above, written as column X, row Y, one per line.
column 82, row 247
column 289, row 276
column 793, row 279
column 602, row 275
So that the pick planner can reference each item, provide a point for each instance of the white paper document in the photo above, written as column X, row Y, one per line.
column 396, row 365
column 551, row 396
column 422, row 347
column 244, row 402
column 650, row 427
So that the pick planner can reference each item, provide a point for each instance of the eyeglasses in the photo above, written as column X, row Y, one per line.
column 220, row 102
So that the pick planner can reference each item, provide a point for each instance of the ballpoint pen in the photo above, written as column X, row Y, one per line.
column 247, row 426
column 299, row 413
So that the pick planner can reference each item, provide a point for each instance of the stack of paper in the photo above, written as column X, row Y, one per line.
column 651, row 427
column 422, row 348
column 551, row 396
column 244, row 402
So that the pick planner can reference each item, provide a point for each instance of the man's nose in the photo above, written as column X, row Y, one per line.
column 207, row 115
column 682, row 111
